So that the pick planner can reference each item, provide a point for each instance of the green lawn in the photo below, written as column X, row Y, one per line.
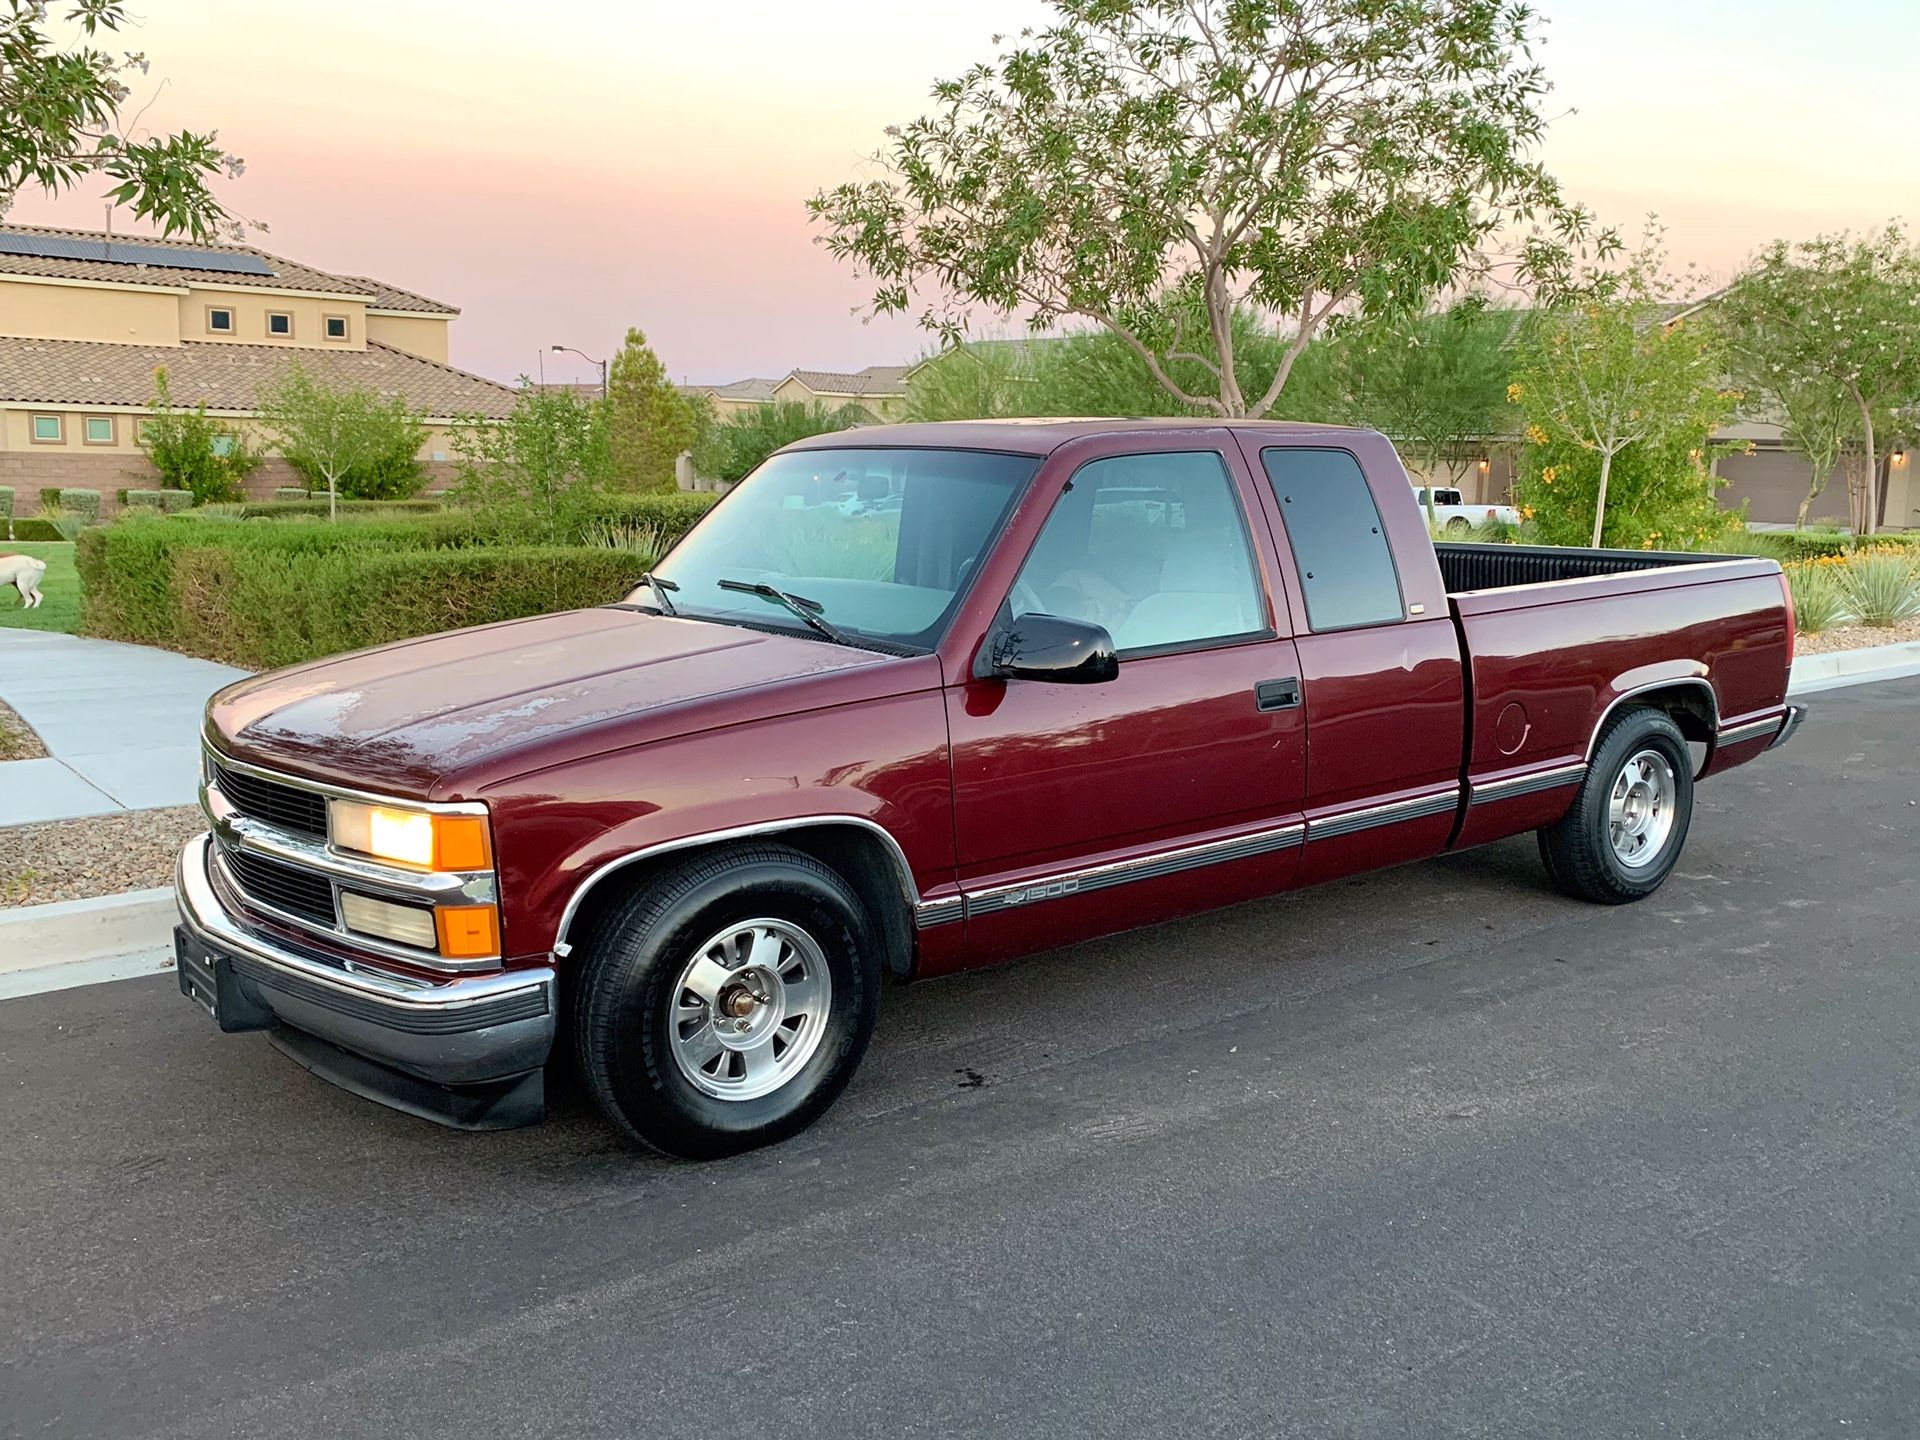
column 60, row 610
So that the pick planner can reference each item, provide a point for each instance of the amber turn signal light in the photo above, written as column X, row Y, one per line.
column 468, row 932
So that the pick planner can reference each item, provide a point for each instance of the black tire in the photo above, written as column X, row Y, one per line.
column 624, row 992
column 1578, row 851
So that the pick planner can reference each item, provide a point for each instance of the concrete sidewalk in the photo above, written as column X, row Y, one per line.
column 121, row 723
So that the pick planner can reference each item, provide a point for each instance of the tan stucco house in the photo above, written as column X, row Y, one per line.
column 87, row 318
column 880, row 390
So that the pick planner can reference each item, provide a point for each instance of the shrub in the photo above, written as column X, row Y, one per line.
column 129, row 571
column 672, row 516
column 351, row 444
column 267, row 607
column 170, row 502
column 541, row 472
column 192, row 451
column 6, row 508
column 1817, row 599
column 1882, row 588
column 39, row 528
column 291, row 492
column 290, row 509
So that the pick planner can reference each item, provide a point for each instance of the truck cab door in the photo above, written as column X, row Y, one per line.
column 1380, row 663
column 1176, row 786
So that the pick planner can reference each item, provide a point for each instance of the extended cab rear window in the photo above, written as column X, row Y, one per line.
column 1339, row 545
column 879, row 542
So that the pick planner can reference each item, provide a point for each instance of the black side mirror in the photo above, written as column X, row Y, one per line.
column 1050, row 647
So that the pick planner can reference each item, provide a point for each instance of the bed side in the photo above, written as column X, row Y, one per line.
column 1707, row 640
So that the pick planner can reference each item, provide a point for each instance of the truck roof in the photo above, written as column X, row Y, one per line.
column 1042, row 435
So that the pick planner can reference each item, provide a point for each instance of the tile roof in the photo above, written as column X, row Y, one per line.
column 874, row 380
column 392, row 297
column 754, row 388
column 287, row 274
column 228, row 376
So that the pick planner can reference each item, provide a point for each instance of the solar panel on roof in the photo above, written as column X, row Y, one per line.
column 133, row 252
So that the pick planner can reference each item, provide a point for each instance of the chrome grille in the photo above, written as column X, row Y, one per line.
column 301, row 811
column 283, row 887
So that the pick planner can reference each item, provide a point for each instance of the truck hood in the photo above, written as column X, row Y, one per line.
column 439, row 716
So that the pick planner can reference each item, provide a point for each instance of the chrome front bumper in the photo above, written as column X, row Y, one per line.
column 468, row 1030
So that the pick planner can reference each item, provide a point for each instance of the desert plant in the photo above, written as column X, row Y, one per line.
column 65, row 524
column 1881, row 588
column 1818, row 602
column 636, row 536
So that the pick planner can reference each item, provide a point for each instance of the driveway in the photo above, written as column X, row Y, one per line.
column 121, row 724
column 1430, row 1153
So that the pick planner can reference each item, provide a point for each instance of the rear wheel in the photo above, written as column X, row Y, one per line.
column 1459, row 525
column 726, row 1002
column 1625, row 831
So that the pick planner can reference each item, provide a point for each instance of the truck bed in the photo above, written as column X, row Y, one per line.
column 1467, row 567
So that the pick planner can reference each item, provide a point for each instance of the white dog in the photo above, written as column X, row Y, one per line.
column 23, row 572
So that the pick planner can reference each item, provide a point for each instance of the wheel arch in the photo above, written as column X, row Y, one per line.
column 860, row 851
column 1688, row 701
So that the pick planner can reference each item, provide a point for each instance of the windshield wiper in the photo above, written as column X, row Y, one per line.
column 807, row 610
column 660, row 587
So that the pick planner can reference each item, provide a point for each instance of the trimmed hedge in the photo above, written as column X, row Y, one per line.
column 268, row 594
column 264, row 608
column 34, row 528
column 127, row 569
column 170, row 502
column 278, row 509
column 84, row 503
column 1816, row 544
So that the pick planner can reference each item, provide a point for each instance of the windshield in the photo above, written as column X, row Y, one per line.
column 881, row 541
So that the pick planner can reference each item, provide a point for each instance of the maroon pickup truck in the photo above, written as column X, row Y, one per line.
column 918, row 698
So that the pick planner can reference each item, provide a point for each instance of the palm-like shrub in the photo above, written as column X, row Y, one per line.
column 1881, row 589
column 1818, row 601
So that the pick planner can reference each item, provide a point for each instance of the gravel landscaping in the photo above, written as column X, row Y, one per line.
column 1857, row 637
column 103, row 855
column 17, row 742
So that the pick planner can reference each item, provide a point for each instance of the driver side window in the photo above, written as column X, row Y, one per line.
column 1153, row 547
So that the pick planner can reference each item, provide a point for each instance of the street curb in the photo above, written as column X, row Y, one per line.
column 1831, row 671
column 35, row 937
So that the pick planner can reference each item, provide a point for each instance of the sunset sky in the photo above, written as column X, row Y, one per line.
column 561, row 172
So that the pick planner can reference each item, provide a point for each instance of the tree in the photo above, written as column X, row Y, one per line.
column 193, row 451
column 1435, row 382
column 60, row 121
column 650, row 424
column 1612, row 377
column 350, row 442
column 979, row 380
column 541, row 471
column 735, row 447
column 1843, row 312
column 1819, row 423
column 1143, row 162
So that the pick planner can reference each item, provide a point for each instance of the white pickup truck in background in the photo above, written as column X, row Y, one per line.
column 1451, row 512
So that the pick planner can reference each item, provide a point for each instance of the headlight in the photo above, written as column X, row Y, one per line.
column 413, row 838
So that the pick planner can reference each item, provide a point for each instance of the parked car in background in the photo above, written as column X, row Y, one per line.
column 1087, row 675
column 1451, row 512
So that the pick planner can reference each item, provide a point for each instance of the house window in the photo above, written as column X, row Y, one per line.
column 280, row 322
column 223, row 444
column 336, row 327
column 98, row 430
column 220, row 319
column 49, row 430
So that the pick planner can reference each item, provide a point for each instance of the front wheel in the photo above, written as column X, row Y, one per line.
column 726, row 1002
column 1625, row 831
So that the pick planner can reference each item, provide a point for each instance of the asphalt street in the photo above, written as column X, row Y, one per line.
column 1429, row 1153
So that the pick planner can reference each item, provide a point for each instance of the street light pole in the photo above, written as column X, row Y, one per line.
column 590, row 361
